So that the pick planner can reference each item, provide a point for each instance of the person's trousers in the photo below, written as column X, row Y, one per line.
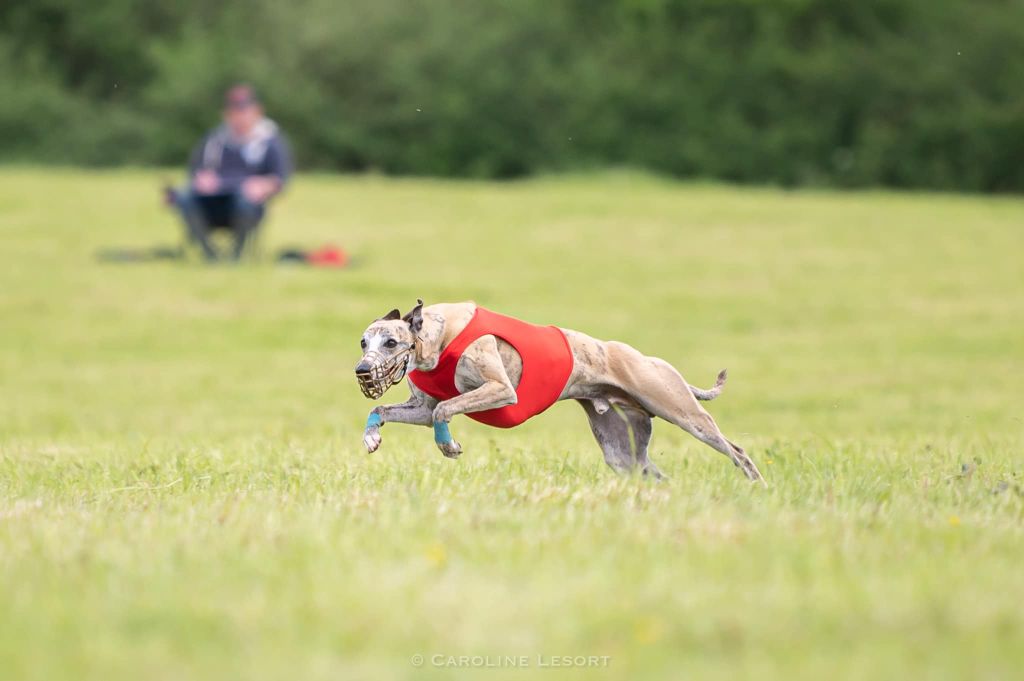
column 203, row 213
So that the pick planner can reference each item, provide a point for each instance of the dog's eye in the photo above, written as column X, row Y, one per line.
column 391, row 343
column 362, row 343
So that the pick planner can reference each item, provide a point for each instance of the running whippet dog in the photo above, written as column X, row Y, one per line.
column 463, row 359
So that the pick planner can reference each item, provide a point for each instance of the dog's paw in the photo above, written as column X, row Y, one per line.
column 372, row 439
column 451, row 449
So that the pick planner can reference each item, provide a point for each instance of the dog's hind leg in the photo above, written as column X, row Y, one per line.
column 642, row 425
column 611, row 430
column 697, row 422
column 662, row 391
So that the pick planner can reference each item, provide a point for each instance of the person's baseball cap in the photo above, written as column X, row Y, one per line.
column 240, row 97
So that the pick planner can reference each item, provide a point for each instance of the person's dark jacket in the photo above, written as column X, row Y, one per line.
column 264, row 153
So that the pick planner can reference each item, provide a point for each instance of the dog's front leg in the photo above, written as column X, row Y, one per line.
column 487, row 396
column 417, row 410
column 480, row 364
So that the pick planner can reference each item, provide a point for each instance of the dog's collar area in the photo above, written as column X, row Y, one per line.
column 383, row 373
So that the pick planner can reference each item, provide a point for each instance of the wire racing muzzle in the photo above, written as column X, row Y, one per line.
column 383, row 372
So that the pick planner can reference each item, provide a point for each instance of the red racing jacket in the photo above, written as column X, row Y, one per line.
column 547, row 363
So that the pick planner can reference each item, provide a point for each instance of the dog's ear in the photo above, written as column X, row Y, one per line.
column 391, row 316
column 414, row 317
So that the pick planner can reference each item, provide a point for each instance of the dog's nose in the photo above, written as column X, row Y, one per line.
column 363, row 367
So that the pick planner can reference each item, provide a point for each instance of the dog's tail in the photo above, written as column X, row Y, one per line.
column 714, row 392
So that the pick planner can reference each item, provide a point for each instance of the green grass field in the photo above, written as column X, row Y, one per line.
column 184, row 494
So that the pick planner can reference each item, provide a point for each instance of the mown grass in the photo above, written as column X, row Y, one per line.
column 183, row 493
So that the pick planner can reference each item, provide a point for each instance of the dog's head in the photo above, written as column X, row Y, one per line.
column 388, row 344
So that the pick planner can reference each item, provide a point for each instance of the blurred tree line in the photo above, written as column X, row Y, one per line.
column 906, row 93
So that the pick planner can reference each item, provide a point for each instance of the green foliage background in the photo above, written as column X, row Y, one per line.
column 923, row 93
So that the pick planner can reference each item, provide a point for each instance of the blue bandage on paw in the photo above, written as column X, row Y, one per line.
column 373, row 420
column 442, row 435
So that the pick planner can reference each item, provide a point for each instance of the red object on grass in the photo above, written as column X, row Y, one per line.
column 327, row 256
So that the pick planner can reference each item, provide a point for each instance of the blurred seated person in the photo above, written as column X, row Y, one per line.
column 234, row 171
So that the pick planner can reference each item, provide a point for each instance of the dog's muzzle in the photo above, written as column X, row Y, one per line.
column 376, row 374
